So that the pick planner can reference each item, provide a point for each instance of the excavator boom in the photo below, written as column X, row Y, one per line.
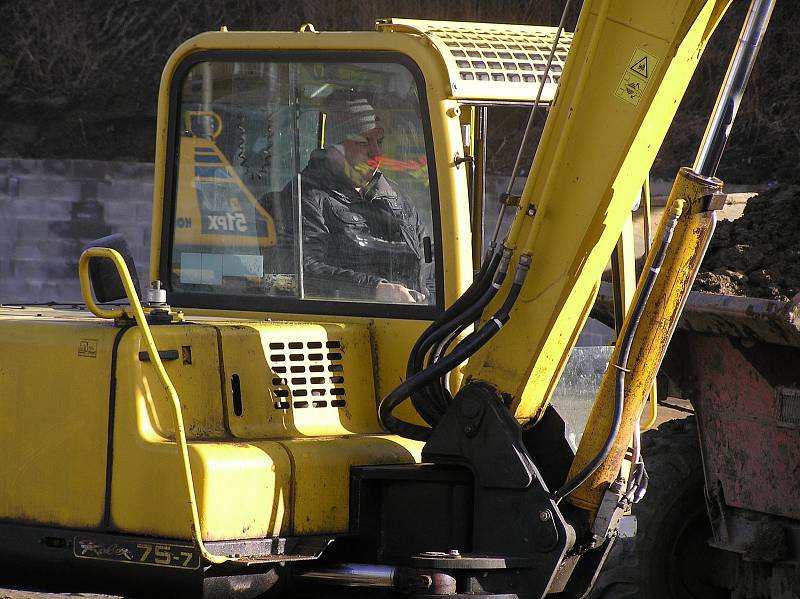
column 629, row 67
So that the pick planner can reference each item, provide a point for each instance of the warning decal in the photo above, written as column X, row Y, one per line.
column 640, row 67
column 636, row 77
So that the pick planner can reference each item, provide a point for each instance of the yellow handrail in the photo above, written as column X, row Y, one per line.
column 155, row 360
column 86, row 287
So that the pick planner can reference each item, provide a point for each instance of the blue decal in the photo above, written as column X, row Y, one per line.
column 211, row 172
column 212, row 158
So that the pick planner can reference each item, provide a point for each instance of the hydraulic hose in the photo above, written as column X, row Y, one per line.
column 428, row 400
column 468, row 317
column 428, row 403
column 622, row 363
column 531, row 115
column 468, row 299
column 471, row 344
column 437, row 391
column 432, row 400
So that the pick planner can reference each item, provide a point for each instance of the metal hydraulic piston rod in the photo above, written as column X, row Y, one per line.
column 698, row 190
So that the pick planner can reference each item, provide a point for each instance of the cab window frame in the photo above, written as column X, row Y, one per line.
column 294, row 305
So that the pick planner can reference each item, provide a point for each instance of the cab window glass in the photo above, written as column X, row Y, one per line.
column 302, row 180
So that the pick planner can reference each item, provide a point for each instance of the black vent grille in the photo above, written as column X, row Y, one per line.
column 307, row 374
column 788, row 406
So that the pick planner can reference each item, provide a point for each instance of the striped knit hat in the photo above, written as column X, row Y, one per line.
column 349, row 118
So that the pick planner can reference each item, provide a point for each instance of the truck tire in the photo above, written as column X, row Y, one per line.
column 669, row 556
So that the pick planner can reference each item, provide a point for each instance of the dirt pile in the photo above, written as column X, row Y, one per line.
column 758, row 254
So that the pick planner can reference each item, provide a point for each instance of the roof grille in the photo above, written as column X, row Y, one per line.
column 505, row 56
column 482, row 59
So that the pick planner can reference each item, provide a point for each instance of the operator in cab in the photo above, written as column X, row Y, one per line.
column 361, row 239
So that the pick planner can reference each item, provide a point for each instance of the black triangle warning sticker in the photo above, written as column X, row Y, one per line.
column 640, row 67
column 635, row 79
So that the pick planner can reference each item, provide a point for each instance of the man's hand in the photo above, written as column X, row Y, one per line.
column 393, row 292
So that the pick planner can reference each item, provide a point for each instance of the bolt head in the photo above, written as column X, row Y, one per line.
column 545, row 515
column 470, row 407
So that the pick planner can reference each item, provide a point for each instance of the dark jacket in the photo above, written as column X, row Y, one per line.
column 352, row 240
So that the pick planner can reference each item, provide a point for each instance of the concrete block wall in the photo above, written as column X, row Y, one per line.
column 50, row 210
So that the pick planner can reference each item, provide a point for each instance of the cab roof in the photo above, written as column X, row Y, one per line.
column 490, row 61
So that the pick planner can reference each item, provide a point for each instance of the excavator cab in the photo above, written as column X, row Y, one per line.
column 237, row 230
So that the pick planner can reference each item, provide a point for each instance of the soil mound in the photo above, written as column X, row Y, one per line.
column 758, row 254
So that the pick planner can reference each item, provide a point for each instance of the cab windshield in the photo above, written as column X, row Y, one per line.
column 302, row 181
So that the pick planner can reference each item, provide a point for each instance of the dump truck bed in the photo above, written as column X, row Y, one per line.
column 735, row 358
column 757, row 319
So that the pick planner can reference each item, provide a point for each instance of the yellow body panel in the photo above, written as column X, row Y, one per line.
column 195, row 374
column 299, row 379
column 260, row 483
column 321, row 477
column 253, row 476
column 54, row 388
column 391, row 340
column 491, row 61
column 242, row 490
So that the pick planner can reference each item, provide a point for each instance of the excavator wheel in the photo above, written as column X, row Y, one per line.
column 669, row 557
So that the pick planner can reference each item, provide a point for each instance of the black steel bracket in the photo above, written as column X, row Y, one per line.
column 513, row 514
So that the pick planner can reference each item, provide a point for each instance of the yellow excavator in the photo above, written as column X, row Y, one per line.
column 261, row 419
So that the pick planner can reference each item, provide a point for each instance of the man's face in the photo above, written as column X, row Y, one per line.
column 363, row 152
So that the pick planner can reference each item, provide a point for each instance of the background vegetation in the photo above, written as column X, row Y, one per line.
column 79, row 78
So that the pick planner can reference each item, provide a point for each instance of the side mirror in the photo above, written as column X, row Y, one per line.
column 106, row 284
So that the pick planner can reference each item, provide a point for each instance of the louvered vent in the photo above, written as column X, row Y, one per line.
column 307, row 374
column 788, row 406
column 490, row 61
column 505, row 56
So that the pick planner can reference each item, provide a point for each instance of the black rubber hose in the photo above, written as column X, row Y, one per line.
column 472, row 295
column 465, row 319
column 434, row 390
column 466, row 348
column 439, row 387
column 427, row 402
column 622, row 367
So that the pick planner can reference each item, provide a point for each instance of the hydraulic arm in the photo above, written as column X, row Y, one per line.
column 628, row 68
column 630, row 64
column 668, row 278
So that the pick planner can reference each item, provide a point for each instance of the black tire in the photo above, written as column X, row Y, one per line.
column 669, row 556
